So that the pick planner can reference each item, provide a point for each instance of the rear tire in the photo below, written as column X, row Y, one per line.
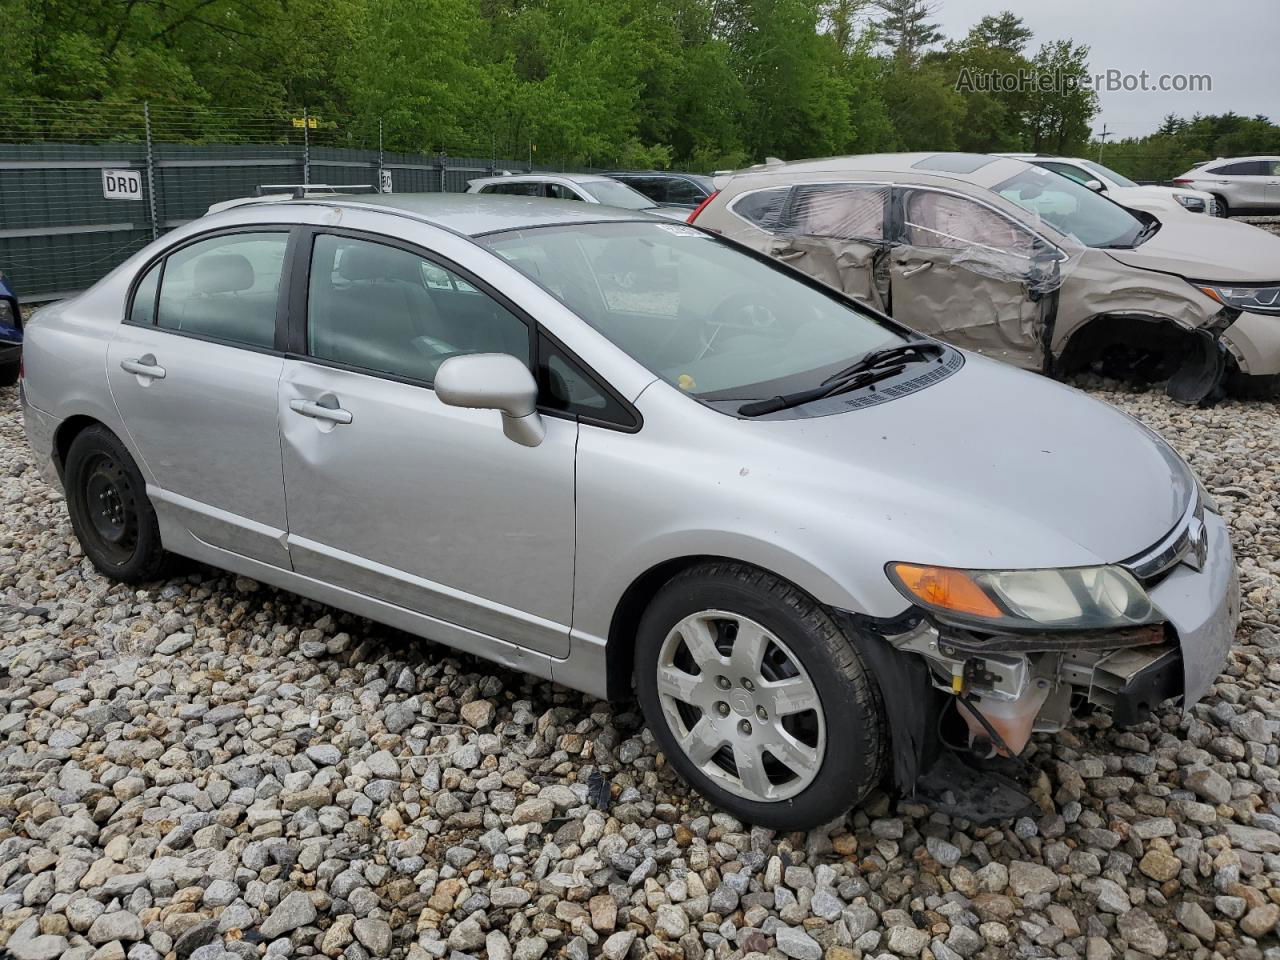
column 8, row 374
column 110, row 513
column 757, row 698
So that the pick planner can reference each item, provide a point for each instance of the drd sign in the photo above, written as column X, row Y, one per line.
column 121, row 185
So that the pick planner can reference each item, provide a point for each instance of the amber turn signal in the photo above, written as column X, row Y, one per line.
column 946, row 589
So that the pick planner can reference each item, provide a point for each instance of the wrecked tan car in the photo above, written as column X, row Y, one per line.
column 1001, row 257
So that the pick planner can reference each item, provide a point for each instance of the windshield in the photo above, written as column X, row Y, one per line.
column 1119, row 179
column 715, row 321
column 1072, row 208
column 617, row 194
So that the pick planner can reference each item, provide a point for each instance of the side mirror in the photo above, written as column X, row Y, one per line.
column 494, row 381
column 1097, row 186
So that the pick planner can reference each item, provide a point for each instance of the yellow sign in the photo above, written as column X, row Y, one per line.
column 309, row 122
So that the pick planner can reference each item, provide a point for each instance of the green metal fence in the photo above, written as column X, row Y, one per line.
column 65, row 221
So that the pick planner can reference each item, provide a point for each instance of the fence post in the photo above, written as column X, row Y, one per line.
column 379, row 187
column 306, row 149
column 151, row 170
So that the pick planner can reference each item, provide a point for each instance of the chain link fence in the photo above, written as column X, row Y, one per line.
column 83, row 186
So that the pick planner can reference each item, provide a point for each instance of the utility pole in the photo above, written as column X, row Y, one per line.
column 1102, row 141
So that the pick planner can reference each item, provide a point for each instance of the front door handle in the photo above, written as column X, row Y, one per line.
column 144, row 366
column 918, row 268
column 318, row 411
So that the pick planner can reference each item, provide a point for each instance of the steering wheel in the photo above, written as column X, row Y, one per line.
column 746, row 313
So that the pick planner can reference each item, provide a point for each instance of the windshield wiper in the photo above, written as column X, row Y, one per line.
column 1146, row 233
column 870, row 368
column 888, row 356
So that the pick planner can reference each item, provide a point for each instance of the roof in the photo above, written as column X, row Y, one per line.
column 679, row 174
column 536, row 177
column 473, row 214
column 1269, row 156
column 982, row 170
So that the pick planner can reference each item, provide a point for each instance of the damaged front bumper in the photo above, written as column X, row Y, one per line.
column 1005, row 687
column 1254, row 342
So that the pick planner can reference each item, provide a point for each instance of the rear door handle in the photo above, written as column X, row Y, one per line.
column 144, row 366
column 316, row 411
column 918, row 268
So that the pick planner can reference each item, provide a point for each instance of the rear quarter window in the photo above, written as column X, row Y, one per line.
column 762, row 208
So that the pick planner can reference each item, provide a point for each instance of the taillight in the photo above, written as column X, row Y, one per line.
column 702, row 206
column 1182, row 182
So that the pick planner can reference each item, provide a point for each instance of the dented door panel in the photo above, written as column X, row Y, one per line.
column 836, row 233
column 997, row 318
column 848, row 265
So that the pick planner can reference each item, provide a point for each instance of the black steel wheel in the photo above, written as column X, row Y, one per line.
column 110, row 512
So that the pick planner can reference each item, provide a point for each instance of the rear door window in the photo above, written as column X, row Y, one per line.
column 558, row 191
column 684, row 193
column 224, row 288
column 143, row 309
column 842, row 211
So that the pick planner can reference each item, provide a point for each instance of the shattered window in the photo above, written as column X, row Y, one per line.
column 950, row 222
column 762, row 208
column 840, row 210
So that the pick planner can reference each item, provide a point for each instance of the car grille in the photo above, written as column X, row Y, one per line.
column 1185, row 543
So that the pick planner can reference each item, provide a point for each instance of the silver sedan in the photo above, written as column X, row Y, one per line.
column 640, row 460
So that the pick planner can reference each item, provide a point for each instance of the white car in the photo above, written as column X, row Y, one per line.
column 1151, row 199
column 586, row 187
column 1239, row 185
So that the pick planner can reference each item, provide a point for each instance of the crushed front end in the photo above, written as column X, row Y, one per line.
column 1165, row 628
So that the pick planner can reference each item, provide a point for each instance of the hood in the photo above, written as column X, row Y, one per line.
column 992, row 467
column 1156, row 193
column 1208, row 248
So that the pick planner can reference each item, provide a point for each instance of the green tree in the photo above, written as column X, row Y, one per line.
column 1003, row 31
column 985, row 67
column 1062, row 107
column 925, row 110
column 906, row 27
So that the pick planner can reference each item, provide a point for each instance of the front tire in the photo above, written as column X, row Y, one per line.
column 1224, row 208
column 757, row 698
column 110, row 513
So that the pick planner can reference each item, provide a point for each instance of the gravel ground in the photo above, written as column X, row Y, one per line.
column 209, row 768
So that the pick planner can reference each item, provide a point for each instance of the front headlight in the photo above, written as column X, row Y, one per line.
column 1191, row 203
column 1070, row 598
column 1255, row 299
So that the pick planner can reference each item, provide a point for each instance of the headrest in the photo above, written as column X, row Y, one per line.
column 223, row 273
column 371, row 261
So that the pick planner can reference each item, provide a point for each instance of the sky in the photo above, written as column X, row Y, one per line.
column 1235, row 42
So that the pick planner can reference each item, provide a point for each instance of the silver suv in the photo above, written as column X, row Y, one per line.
column 1241, row 186
column 809, row 541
